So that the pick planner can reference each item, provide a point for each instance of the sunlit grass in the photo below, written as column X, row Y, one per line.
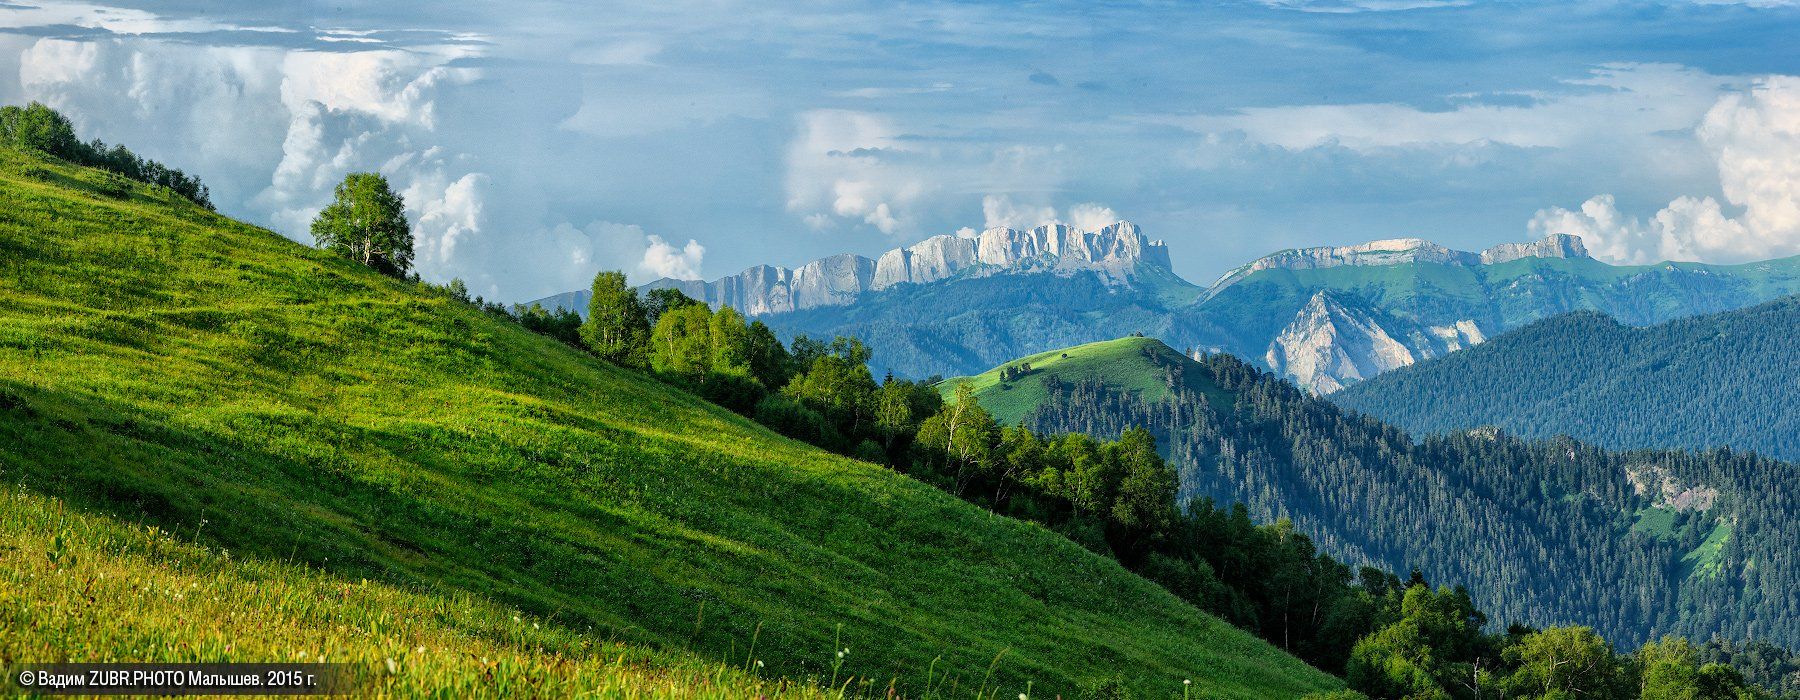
column 166, row 366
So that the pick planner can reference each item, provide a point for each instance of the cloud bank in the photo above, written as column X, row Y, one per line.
column 1755, row 138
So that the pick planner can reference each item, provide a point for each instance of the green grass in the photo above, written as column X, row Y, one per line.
column 1656, row 521
column 1120, row 364
column 1707, row 560
column 69, row 579
column 164, row 366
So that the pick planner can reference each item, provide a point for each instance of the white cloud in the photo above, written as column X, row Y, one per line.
column 1755, row 138
column 448, row 215
column 665, row 260
column 852, row 166
column 1091, row 217
column 579, row 252
column 629, row 52
column 1613, row 101
column 1000, row 211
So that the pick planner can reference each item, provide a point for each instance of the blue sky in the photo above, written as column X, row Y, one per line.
column 537, row 142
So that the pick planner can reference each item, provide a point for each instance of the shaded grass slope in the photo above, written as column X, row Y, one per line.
column 165, row 366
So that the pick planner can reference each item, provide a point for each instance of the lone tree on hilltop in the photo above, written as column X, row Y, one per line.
column 367, row 223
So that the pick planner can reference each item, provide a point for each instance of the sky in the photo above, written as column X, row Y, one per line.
column 537, row 142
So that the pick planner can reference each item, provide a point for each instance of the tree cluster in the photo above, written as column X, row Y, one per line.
column 42, row 129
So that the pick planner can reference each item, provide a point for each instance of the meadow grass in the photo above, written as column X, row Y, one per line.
column 1119, row 364
column 164, row 366
column 79, row 587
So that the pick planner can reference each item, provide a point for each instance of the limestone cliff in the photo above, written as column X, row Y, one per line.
column 1115, row 251
column 1331, row 344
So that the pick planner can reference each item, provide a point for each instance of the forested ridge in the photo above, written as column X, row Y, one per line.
column 1728, row 379
column 1701, row 548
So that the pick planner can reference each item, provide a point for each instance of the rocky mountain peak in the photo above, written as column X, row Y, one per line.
column 1115, row 251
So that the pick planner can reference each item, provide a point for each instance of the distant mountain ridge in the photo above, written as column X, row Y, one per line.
column 1718, row 380
column 1397, row 251
column 1324, row 317
column 1115, row 251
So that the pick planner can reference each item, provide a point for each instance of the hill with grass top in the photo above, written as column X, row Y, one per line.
column 1691, row 538
column 1142, row 367
column 220, row 444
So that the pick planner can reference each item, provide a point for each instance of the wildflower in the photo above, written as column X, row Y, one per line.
column 1187, row 681
column 1023, row 696
column 759, row 663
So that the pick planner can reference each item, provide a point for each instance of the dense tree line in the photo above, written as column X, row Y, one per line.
column 42, row 129
column 1720, row 380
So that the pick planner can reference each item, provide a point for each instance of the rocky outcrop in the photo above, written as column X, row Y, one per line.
column 1556, row 245
column 1397, row 251
column 1328, row 345
column 1115, row 251
column 1331, row 344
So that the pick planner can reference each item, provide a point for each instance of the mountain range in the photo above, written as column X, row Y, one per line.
column 1324, row 317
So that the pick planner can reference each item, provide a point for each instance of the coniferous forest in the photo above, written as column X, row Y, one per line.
column 1721, row 380
column 1686, row 540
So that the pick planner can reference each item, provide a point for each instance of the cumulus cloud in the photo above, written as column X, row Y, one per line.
column 1091, row 216
column 665, row 260
column 864, row 169
column 1000, row 211
column 1755, row 137
column 851, row 165
column 606, row 245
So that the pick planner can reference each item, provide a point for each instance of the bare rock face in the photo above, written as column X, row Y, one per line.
column 1115, row 251
column 1556, row 245
column 1328, row 344
column 1331, row 344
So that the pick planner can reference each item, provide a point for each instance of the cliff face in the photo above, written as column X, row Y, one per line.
column 1331, row 344
column 1114, row 251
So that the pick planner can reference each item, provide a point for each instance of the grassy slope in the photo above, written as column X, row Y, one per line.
column 1119, row 363
column 164, row 365
column 67, row 579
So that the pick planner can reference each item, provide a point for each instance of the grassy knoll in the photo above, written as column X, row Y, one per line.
column 166, row 367
column 1132, row 364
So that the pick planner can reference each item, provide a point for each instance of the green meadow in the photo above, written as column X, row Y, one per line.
column 219, row 444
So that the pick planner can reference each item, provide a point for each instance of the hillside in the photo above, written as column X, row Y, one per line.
column 1133, row 365
column 307, row 424
column 1721, row 380
column 1526, row 526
